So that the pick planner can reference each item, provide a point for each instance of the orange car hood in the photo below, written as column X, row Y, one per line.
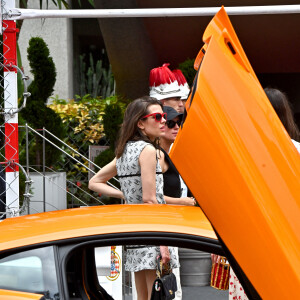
column 99, row 220
column 240, row 164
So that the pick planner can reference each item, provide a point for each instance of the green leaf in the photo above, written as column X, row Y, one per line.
column 59, row 3
column 24, row 3
column 19, row 76
column 66, row 4
column 92, row 2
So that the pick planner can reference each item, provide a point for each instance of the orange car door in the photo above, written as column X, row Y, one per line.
column 240, row 164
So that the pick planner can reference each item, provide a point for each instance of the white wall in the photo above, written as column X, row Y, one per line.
column 55, row 192
column 57, row 33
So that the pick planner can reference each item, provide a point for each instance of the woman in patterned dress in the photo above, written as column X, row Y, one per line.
column 141, row 180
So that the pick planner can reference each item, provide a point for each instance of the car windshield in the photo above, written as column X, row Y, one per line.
column 30, row 271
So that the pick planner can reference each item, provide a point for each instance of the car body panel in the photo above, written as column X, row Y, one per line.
column 108, row 219
column 14, row 295
column 240, row 164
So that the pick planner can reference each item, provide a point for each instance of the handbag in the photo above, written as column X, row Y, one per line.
column 165, row 285
column 220, row 274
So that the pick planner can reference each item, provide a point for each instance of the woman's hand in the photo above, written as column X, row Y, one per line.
column 190, row 201
column 165, row 254
column 215, row 258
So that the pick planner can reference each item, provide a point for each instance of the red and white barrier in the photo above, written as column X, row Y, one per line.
column 11, row 115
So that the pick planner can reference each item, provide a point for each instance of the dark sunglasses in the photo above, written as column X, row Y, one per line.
column 157, row 116
column 171, row 124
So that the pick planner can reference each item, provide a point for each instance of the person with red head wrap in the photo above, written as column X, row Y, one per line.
column 165, row 88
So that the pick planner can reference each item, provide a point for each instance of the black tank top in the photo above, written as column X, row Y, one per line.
column 172, row 186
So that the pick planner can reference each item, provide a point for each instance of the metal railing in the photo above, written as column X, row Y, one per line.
column 75, row 194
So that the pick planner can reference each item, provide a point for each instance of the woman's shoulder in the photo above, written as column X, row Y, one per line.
column 135, row 148
column 138, row 144
column 142, row 143
column 149, row 148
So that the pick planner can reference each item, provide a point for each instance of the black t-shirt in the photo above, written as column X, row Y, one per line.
column 172, row 186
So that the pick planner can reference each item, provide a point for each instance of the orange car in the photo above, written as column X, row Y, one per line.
column 238, row 161
column 53, row 254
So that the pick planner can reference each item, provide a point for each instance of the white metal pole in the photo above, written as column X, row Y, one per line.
column 18, row 14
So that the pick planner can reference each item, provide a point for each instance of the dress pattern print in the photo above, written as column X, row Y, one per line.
column 129, row 173
column 140, row 257
column 236, row 291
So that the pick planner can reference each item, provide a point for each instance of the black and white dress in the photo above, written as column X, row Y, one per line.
column 140, row 257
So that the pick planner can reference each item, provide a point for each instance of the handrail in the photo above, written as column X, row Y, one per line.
column 65, row 144
column 40, row 135
column 82, row 202
column 72, row 183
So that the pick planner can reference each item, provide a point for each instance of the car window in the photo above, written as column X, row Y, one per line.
column 95, row 272
column 194, row 272
column 30, row 271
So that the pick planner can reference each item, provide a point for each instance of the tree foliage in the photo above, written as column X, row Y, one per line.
column 84, row 120
column 112, row 120
column 36, row 113
column 96, row 80
column 42, row 68
column 187, row 68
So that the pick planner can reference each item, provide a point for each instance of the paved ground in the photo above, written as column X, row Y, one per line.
column 201, row 293
column 204, row 292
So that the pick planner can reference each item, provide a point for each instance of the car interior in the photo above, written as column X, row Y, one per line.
column 69, row 270
column 81, row 276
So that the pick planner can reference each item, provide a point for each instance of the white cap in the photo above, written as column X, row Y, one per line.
column 185, row 91
column 163, row 83
column 182, row 83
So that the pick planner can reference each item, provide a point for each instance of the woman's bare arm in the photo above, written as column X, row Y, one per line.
column 190, row 201
column 98, row 182
column 147, row 161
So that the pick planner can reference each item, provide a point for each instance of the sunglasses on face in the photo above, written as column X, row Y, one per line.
column 158, row 116
column 171, row 124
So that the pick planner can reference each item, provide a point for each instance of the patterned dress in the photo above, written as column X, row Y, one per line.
column 140, row 257
column 236, row 291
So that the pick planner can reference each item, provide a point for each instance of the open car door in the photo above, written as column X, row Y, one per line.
column 240, row 164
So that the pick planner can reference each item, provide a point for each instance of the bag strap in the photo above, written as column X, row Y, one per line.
column 160, row 271
column 223, row 261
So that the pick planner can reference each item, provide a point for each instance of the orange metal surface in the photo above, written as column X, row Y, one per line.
column 14, row 295
column 241, row 165
column 71, row 223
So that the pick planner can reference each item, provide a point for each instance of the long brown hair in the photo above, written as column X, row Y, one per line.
column 129, row 130
column 282, row 107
